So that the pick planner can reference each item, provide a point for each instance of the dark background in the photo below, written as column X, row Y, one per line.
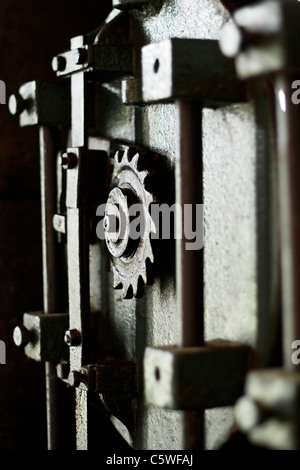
column 31, row 33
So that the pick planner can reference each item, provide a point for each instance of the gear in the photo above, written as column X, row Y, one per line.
column 128, row 235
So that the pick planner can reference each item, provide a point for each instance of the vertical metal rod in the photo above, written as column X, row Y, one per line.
column 288, row 148
column 189, row 263
column 49, row 140
column 78, row 259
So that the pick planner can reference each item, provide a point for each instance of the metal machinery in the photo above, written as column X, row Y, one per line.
column 171, row 102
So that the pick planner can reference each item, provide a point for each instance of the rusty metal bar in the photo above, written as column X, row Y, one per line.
column 189, row 263
column 49, row 140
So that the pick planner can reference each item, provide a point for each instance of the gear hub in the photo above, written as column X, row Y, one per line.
column 128, row 224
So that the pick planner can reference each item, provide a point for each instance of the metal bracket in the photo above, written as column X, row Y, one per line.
column 109, row 62
column 189, row 69
column 195, row 377
column 42, row 335
column 111, row 375
column 42, row 103
column 132, row 92
column 82, row 165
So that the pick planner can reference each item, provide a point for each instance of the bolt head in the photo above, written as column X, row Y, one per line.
column 16, row 105
column 21, row 336
column 68, row 161
column 231, row 40
column 72, row 338
column 59, row 63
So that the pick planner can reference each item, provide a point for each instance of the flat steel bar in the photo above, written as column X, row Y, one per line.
column 78, row 258
column 78, row 278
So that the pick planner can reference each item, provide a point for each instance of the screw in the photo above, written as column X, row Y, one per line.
column 62, row 370
column 21, row 336
column 59, row 63
column 68, row 160
column 72, row 338
column 59, row 223
column 17, row 104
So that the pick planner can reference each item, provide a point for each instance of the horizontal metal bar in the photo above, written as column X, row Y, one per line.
column 43, row 336
column 195, row 377
column 189, row 69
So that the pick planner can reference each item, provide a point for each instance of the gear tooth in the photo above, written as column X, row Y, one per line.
column 117, row 161
column 135, row 161
column 133, row 278
column 117, row 284
column 118, row 156
column 127, row 292
column 144, row 277
column 125, row 289
column 149, row 198
column 140, row 286
column 121, row 156
column 134, row 285
column 152, row 226
column 125, row 156
column 143, row 175
column 150, row 255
